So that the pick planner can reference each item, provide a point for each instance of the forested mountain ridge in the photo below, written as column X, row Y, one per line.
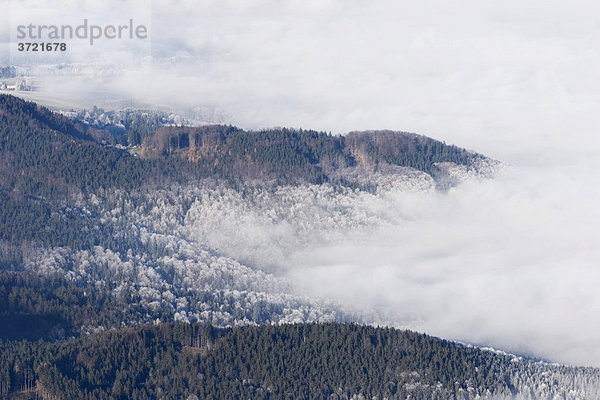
column 52, row 153
column 300, row 361
column 46, row 154
column 310, row 155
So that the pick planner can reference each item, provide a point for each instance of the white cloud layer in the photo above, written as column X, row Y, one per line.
column 511, row 262
column 510, row 79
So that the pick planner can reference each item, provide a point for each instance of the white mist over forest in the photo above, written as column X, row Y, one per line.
column 510, row 262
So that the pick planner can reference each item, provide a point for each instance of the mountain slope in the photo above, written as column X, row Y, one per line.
column 302, row 361
column 187, row 230
column 44, row 153
column 295, row 155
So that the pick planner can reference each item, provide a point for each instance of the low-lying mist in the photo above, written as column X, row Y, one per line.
column 509, row 262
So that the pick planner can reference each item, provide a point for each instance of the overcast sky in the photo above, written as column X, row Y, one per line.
column 515, row 80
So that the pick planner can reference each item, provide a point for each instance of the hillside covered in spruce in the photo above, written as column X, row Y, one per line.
column 301, row 361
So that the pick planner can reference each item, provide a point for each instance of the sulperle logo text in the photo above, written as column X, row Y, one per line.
column 84, row 31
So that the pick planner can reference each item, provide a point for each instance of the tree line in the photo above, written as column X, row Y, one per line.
column 300, row 361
